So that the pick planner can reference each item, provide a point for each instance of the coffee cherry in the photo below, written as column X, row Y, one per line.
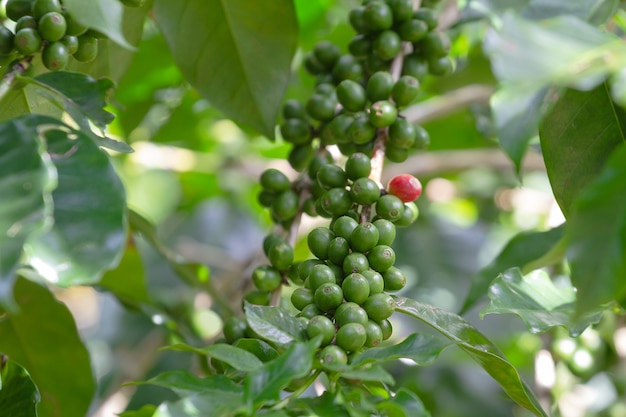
column 321, row 274
column 234, row 329
column 301, row 156
column 281, row 256
column 395, row 153
column 409, row 215
column 258, row 297
column 41, row 7
column 15, row 9
column 387, row 329
column 375, row 281
column 26, row 22
column 405, row 186
column 269, row 241
column 6, row 40
column 87, row 48
column 301, row 297
column 377, row 16
column 387, row 44
column 336, row 201
column 351, row 337
column 389, row 207
column 52, row 26
column 336, row 131
column 305, row 268
column 338, row 249
column 364, row 237
column 347, row 67
column 374, row 334
column 321, row 107
column 360, row 46
column 312, row 65
column 285, row 206
column 422, row 138
column 428, row 16
column 27, row 41
column 358, row 165
column 274, row 180
column 379, row 86
column 332, row 357
column 383, row 113
column 402, row 134
column 71, row 43
column 379, row 306
column 344, row 226
column 355, row 262
column 440, row 66
column 326, row 53
column 328, row 296
column 294, row 109
column 355, row 288
column 310, row 311
column 413, row 30
column 55, row 56
column 386, row 231
column 331, row 176
column 350, row 313
column 394, row 278
column 415, row 66
column 435, row 45
column 361, row 131
column 296, row 131
column 73, row 27
column 266, row 278
column 318, row 241
column 402, row 9
column 321, row 325
column 405, row 90
column 381, row 258
column 351, row 95
column 364, row 191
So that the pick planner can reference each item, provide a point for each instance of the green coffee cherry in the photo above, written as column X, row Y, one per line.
column 87, row 48
column 327, row 53
column 285, row 205
column 405, row 90
column 356, row 288
column 394, row 278
column 73, row 27
column 55, row 56
column 71, row 43
column 375, row 281
column 386, row 231
column 435, row 45
column 344, row 226
column 377, row 16
column 387, row 329
column 383, row 113
column 379, row 86
column 328, row 296
column 27, row 41
column 350, row 313
column 387, row 44
column 294, row 109
column 409, row 215
column 258, row 297
column 281, row 256
column 41, row 7
column 422, row 138
column 26, row 22
column 320, row 275
column 374, row 334
column 16, row 9
column 413, row 30
column 321, row 325
column 52, row 26
column 321, row 107
column 274, row 180
column 6, row 40
column 364, row 191
column 402, row 9
column 330, row 176
column 347, row 67
column 361, row 130
column 415, row 66
column 301, row 156
column 318, row 241
column 332, row 357
column 338, row 249
column 336, row 201
column 379, row 306
column 234, row 329
column 389, row 207
column 358, row 165
column 428, row 16
column 381, row 258
column 336, row 131
column 360, row 46
column 351, row 337
column 396, row 154
column 364, row 237
column 301, row 298
column 351, row 95
column 402, row 134
column 310, row 311
column 296, row 131
column 440, row 66
column 355, row 262
column 355, row 17
column 266, row 278
column 312, row 64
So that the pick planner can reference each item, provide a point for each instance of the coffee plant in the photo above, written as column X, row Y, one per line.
column 294, row 208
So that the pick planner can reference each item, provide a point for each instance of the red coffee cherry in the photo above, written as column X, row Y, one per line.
column 404, row 186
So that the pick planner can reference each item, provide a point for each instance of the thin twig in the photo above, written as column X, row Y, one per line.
column 17, row 69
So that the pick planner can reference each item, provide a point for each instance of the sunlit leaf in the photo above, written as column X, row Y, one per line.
column 595, row 12
column 537, row 301
column 421, row 348
column 213, row 404
column 274, row 324
column 18, row 394
column 577, row 137
column 237, row 53
column 184, row 383
column 481, row 349
column 102, row 15
column 42, row 337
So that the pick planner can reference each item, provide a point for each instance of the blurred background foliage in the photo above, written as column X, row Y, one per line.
column 194, row 175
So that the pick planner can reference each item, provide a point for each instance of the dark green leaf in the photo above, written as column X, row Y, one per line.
column 239, row 359
column 102, row 15
column 145, row 411
column 185, row 384
column 18, row 394
column 43, row 338
column 27, row 178
column 423, row 349
column 89, row 233
column 537, row 301
column 596, row 236
column 274, row 324
column 371, row 373
column 577, row 137
column 266, row 383
column 410, row 403
column 259, row 348
column 481, row 349
column 128, row 281
column 595, row 12
column 237, row 53
column 521, row 250
column 272, row 413
column 217, row 404
column 323, row 406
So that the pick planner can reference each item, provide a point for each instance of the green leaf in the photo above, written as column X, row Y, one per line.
column 596, row 236
column 43, row 338
column 145, row 411
column 481, row 349
column 237, row 53
column 577, row 137
column 595, row 12
column 128, row 281
column 323, row 406
column 237, row 358
column 421, row 348
column 537, row 301
column 410, row 403
column 27, row 178
column 218, row 404
column 25, row 99
column 105, row 16
column 89, row 233
column 259, row 348
column 184, row 383
column 274, row 324
column 372, row 373
column 18, row 394
column 521, row 250
column 266, row 383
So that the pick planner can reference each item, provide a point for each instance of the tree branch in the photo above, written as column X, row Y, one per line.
column 8, row 80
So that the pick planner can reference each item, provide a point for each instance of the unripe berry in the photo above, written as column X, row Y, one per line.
column 405, row 186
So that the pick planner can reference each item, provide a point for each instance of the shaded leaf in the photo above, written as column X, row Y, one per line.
column 89, row 232
column 481, row 349
column 410, row 403
column 18, row 394
column 522, row 249
column 274, row 324
column 537, row 301
column 27, row 178
column 184, row 383
column 52, row 352
column 234, row 53
column 259, row 348
column 595, row 12
column 102, row 15
column 423, row 349
column 237, row 358
column 218, row 404
column 577, row 137
column 145, row 411
column 596, row 236
column 128, row 281
column 266, row 383
column 371, row 373
column 323, row 406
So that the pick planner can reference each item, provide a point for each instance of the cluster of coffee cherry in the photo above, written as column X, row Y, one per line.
column 342, row 293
